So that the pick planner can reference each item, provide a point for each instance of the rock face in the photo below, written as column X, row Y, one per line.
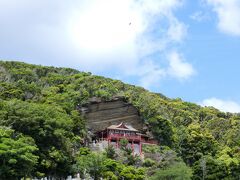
column 4, row 76
column 101, row 114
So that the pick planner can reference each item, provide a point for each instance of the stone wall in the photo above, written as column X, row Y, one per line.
column 101, row 114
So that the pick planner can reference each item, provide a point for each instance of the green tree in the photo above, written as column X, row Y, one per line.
column 110, row 152
column 197, row 143
column 162, row 129
column 209, row 168
column 131, row 173
column 50, row 127
column 178, row 171
column 91, row 164
column 17, row 158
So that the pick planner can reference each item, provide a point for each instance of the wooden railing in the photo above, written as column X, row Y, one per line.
column 120, row 136
column 131, row 137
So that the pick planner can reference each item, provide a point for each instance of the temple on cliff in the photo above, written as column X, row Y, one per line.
column 114, row 133
column 109, row 121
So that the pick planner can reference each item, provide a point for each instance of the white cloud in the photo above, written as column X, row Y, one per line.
column 200, row 16
column 178, row 67
column 124, row 33
column 105, row 30
column 228, row 12
column 124, row 38
column 177, row 30
column 150, row 74
column 223, row 105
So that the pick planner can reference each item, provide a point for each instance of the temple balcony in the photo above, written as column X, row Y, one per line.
column 126, row 136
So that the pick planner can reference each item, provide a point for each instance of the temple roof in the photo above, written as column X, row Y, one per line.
column 122, row 126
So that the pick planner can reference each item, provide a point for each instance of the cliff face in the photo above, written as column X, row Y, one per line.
column 101, row 114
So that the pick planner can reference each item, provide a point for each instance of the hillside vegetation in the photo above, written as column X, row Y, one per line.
column 42, row 133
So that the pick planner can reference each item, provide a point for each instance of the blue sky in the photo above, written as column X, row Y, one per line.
column 181, row 48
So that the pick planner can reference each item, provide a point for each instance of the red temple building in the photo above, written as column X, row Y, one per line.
column 114, row 133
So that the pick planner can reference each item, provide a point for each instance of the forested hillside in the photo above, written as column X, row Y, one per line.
column 42, row 133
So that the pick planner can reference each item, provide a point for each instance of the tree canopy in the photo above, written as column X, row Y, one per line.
column 42, row 132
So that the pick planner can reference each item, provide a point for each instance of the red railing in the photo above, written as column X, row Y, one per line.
column 131, row 137
column 120, row 136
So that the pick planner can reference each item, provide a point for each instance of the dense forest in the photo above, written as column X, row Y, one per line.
column 42, row 133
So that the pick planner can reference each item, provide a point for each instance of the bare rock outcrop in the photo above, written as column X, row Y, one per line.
column 100, row 114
